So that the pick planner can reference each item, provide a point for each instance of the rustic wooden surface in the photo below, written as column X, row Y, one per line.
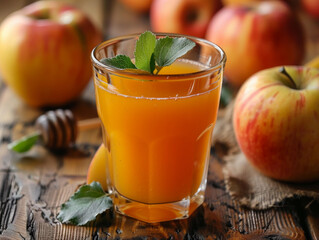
column 34, row 185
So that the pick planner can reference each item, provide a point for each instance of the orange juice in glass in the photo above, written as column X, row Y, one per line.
column 157, row 128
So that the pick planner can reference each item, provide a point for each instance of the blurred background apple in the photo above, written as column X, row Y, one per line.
column 45, row 52
column 139, row 6
column 311, row 7
column 256, row 36
column 190, row 17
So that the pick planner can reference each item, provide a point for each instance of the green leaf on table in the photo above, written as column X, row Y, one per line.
column 144, row 49
column 25, row 143
column 168, row 49
column 120, row 61
column 85, row 205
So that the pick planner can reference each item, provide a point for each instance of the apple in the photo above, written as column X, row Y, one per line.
column 256, row 36
column 189, row 17
column 45, row 52
column 139, row 6
column 276, row 122
column 314, row 62
column 97, row 169
column 311, row 7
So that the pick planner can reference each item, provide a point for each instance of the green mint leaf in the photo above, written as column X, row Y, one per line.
column 120, row 61
column 144, row 49
column 85, row 205
column 25, row 143
column 168, row 49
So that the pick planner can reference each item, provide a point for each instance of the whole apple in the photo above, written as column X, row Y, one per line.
column 256, row 36
column 45, row 52
column 276, row 122
column 190, row 17
column 139, row 6
column 311, row 7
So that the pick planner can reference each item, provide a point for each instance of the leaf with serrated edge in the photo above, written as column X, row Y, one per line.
column 144, row 50
column 120, row 61
column 86, row 203
column 167, row 49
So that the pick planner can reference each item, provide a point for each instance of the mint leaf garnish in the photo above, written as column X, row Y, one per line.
column 25, row 143
column 85, row 205
column 144, row 52
column 151, row 53
column 168, row 49
column 120, row 61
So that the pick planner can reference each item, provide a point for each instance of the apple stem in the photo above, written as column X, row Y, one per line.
column 283, row 71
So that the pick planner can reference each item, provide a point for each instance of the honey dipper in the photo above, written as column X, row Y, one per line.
column 60, row 128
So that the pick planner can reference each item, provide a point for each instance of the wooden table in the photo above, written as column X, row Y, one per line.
column 34, row 185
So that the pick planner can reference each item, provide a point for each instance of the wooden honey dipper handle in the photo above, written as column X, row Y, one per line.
column 89, row 124
column 60, row 128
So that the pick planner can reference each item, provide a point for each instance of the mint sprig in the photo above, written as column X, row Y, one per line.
column 85, row 205
column 151, row 53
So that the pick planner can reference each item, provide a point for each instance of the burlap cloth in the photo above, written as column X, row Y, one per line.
column 243, row 182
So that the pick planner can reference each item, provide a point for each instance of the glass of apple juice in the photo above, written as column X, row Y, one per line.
column 157, row 129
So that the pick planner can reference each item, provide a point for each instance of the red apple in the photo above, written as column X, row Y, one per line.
column 311, row 7
column 256, row 36
column 190, row 17
column 276, row 122
column 45, row 52
column 139, row 6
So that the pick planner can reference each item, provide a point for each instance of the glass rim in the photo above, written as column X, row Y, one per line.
column 136, row 75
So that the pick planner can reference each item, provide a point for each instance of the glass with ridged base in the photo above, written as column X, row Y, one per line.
column 157, row 129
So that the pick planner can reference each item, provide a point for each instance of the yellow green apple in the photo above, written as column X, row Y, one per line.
column 97, row 169
column 45, row 52
column 276, row 122
column 190, row 17
column 256, row 36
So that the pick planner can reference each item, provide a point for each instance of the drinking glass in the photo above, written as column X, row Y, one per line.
column 157, row 129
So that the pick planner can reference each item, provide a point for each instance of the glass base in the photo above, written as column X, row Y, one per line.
column 160, row 212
